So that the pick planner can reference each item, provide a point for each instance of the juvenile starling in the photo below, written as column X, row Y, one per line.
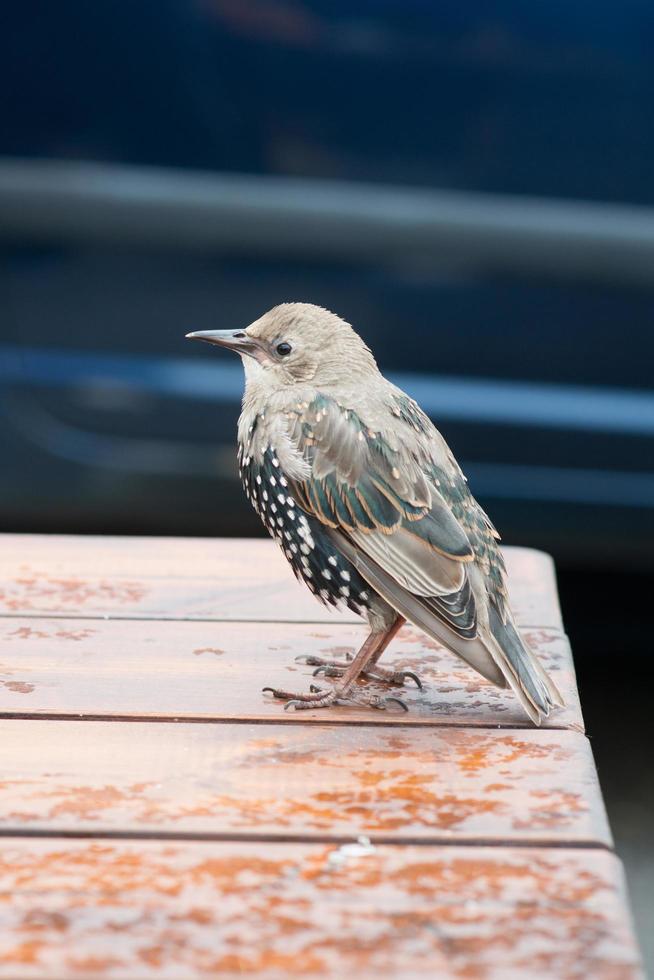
column 370, row 506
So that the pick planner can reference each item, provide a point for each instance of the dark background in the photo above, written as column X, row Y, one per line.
column 469, row 184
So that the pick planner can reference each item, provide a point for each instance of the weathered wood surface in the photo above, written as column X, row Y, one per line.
column 448, row 784
column 201, row 578
column 182, row 910
column 490, row 854
column 144, row 668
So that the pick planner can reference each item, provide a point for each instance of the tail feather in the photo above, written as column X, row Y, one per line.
column 523, row 663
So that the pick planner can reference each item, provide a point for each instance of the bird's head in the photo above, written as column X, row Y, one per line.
column 296, row 343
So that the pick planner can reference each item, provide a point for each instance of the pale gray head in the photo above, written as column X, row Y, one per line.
column 296, row 343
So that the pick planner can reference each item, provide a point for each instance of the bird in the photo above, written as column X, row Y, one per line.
column 371, row 509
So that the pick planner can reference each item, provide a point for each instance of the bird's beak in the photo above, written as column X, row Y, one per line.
column 236, row 340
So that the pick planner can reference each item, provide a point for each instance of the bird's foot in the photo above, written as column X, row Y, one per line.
column 392, row 676
column 318, row 698
column 315, row 698
column 329, row 668
column 336, row 668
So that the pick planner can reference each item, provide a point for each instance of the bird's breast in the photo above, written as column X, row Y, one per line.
column 313, row 556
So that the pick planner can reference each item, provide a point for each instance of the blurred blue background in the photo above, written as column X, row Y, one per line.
column 469, row 184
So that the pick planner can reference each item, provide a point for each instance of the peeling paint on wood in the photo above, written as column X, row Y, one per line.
column 445, row 784
column 196, row 578
column 217, row 670
column 186, row 910
column 247, row 861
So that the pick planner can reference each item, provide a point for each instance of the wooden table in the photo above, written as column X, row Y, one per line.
column 161, row 817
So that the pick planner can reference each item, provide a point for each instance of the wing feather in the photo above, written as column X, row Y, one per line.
column 417, row 536
column 411, row 562
column 359, row 479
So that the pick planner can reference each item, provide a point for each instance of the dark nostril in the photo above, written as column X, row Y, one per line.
column 238, row 336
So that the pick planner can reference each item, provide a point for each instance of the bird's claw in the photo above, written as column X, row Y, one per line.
column 393, row 676
column 414, row 677
column 328, row 671
column 403, row 705
column 336, row 668
column 319, row 698
column 312, row 661
column 382, row 703
column 316, row 698
column 278, row 693
column 296, row 704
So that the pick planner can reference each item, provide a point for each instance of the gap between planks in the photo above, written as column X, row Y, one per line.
column 165, row 618
column 285, row 719
column 378, row 840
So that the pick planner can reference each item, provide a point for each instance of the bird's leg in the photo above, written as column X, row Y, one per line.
column 341, row 691
column 382, row 673
column 337, row 668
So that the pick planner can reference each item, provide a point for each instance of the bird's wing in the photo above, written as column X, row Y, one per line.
column 415, row 533
column 361, row 485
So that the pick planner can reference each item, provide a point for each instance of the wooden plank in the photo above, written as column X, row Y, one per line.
column 200, row 578
column 216, row 671
column 148, row 909
column 300, row 781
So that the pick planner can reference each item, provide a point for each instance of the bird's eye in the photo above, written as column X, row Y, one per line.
column 283, row 349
